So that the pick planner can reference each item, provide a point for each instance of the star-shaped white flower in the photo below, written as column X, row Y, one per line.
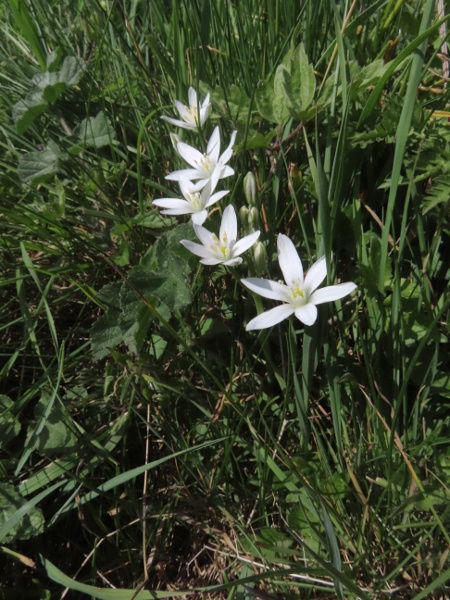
column 300, row 294
column 224, row 249
column 196, row 202
column 192, row 117
column 204, row 165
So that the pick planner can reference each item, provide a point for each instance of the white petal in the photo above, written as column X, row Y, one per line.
column 210, row 261
column 191, row 155
column 270, row 318
column 216, row 197
column 228, row 226
column 290, row 262
column 332, row 292
column 206, row 101
column 267, row 288
column 187, row 173
column 200, row 217
column 172, row 203
column 213, row 147
column 307, row 314
column 315, row 275
column 184, row 111
column 207, row 238
column 204, row 113
column 176, row 211
column 177, row 123
column 229, row 151
column 233, row 262
column 245, row 243
column 192, row 95
column 198, row 249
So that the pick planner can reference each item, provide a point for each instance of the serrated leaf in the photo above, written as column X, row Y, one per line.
column 26, row 111
column 38, row 166
column 30, row 525
column 94, row 132
column 281, row 103
column 264, row 97
column 299, row 84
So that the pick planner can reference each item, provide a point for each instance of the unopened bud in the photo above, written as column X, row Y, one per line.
column 259, row 258
column 175, row 139
column 243, row 216
column 253, row 219
column 250, row 188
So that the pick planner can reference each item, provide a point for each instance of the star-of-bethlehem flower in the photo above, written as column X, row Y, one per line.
column 195, row 203
column 300, row 294
column 224, row 249
column 204, row 165
column 192, row 117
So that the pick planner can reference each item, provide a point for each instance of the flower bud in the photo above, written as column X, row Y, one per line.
column 175, row 138
column 253, row 219
column 259, row 258
column 250, row 188
column 243, row 216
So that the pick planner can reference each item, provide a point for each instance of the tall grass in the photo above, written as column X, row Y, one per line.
column 150, row 446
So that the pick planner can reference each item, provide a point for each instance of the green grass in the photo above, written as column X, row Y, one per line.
column 149, row 445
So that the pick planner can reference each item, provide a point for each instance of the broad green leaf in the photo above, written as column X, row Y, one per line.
column 55, row 436
column 26, row 111
column 280, row 102
column 9, row 422
column 94, row 132
column 264, row 98
column 38, row 166
column 299, row 84
column 31, row 524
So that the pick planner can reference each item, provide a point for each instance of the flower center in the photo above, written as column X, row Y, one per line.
column 221, row 247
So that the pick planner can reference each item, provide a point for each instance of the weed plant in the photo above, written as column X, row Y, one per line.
column 152, row 447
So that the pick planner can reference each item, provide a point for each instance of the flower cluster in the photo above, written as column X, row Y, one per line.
column 299, row 294
column 197, row 185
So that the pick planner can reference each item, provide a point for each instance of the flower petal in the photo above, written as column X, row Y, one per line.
column 191, row 155
column 245, row 243
column 213, row 147
column 307, row 313
column 225, row 157
column 216, row 197
column 200, row 217
column 192, row 95
column 267, row 288
column 290, row 262
column 270, row 318
column 332, row 292
column 207, row 238
column 233, row 262
column 210, row 261
column 198, row 250
column 176, row 203
column 228, row 226
column 177, row 122
column 225, row 171
column 187, row 173
column 315, row 276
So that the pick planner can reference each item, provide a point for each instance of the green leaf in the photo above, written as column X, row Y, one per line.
column 30, row 525
column 9, row 423
column 264, row 97
column 26, row 111
column 299, row 84
column 55, row 436
column 280, row 102
column 94, row 132
column 38, row 166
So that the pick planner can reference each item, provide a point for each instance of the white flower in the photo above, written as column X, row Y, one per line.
column 196, row 202
column 223, row 249
column 300, row 294
column 204, row 165
column 190, row 114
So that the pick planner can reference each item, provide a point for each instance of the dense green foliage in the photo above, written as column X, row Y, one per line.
column 147, row 441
